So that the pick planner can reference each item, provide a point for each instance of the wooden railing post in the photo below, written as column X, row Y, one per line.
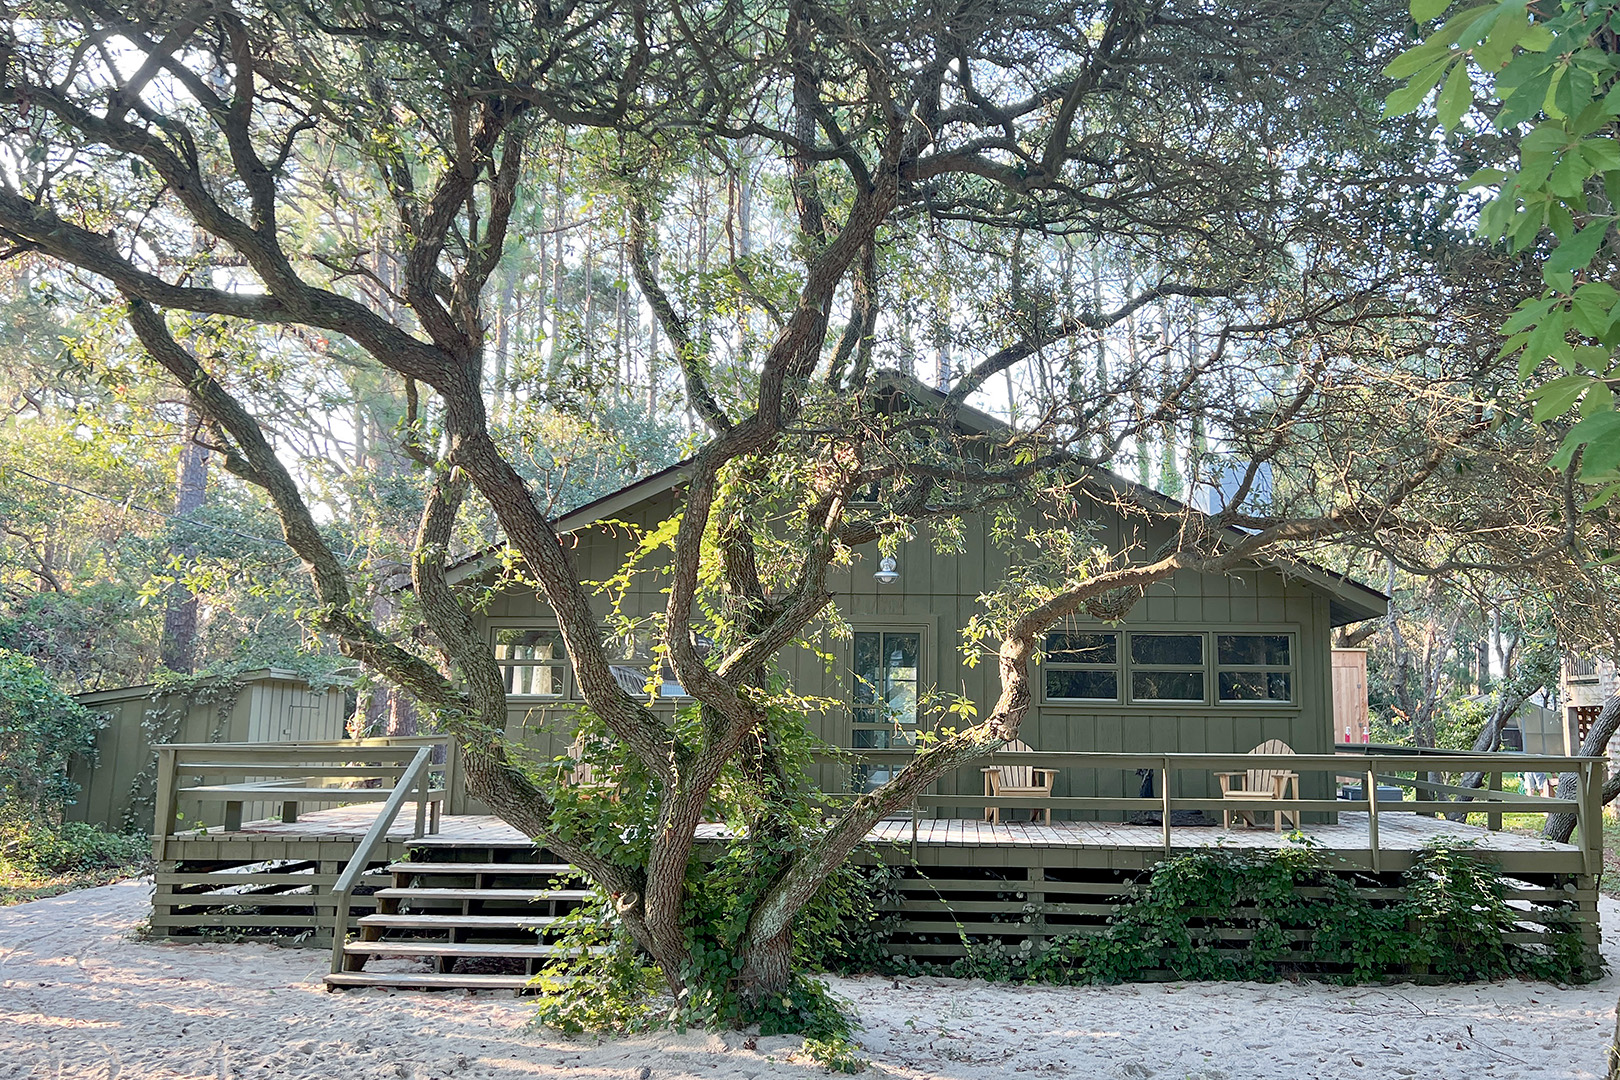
column 1164, row 805
column 1493, row 821
column 1591, row 777
column 165, row 802
column 1369, row 788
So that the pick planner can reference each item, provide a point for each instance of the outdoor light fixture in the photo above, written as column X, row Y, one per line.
column 886, row 574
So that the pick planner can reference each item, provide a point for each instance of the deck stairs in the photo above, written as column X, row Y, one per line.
column 475, row 918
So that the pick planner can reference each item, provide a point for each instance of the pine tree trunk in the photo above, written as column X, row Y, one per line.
column 178, row 646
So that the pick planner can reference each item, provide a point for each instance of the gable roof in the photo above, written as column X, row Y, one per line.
column 1350, row 601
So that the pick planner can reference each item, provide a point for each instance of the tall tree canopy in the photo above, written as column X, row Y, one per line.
column 1162, row 235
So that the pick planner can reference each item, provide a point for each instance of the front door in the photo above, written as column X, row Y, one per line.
column 884, row 711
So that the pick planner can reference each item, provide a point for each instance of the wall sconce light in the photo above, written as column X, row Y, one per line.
column 886, row 574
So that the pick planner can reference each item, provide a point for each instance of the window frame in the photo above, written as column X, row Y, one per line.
column 1291, row 669
column 1117, row 667
column 1211, row 666
column 868, row 625
column 566, row 676
column 1128, row 684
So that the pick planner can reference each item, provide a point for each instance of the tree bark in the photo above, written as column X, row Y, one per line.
column 178, row 645
column 1561, row 827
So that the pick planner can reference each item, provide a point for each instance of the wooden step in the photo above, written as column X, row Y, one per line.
column 424, row 892
column 480, row 868
column 427, row 980
column 459, row 922
column 461, row 948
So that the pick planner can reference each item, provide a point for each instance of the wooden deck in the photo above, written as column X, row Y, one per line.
column 1399, row 834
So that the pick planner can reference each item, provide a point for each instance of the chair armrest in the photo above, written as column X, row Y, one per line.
column 1229, row 775
column 1045, row 777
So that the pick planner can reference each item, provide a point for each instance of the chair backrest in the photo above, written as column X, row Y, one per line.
column 1017, row 776
column 583, row 773
column 1265, row 779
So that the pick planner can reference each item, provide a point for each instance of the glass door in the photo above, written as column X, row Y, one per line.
column 884, row 711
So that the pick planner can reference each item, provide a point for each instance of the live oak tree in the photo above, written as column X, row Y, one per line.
column 1161, row 230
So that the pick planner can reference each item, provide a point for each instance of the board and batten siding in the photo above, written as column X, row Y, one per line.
column 116, row 788
column 937, row 592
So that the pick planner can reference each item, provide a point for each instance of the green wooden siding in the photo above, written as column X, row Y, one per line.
column 938, row 592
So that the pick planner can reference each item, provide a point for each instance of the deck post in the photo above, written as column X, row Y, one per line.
column 1493, row 821
column 1370, row 789
column 164, row 804
column 1592, row 773
column 1164, row 806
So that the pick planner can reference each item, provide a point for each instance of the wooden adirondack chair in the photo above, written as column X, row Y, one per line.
column 585, row 777
column 1267, row 783
column 1017, row 782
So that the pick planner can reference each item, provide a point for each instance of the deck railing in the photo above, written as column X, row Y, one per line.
column 291, row 775
column 1174, row 773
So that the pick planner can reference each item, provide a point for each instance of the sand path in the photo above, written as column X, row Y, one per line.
column 79, row 997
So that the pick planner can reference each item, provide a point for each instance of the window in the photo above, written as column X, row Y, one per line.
column 532, row 661
column 631, row 658
column 1086, row 665
column 1167, row 667
column 1254, row 667
column 1082, row 666
column 884, row 710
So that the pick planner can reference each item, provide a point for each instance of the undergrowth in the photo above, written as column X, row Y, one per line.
column 38, row 859
column 1266, row 915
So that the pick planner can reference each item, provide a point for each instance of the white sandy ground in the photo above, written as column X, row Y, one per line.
column 79, row 997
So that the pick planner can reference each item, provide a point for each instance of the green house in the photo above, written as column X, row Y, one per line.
column 1202, row 663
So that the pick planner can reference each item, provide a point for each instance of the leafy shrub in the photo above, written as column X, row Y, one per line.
column 1297, row 916
column 34, row 848
column 41, row 729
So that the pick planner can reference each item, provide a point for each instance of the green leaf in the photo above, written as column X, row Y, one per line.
column 1524, row 101
column 1424, row 10
column 1600, row 434
column 1556, row 397
column 1454, row 98
column 1544, row 137
column 1415, row 59
column 1577, row 252
column 1598, row 399
column 1602, row 154
column 1409, row 97
column 1483, row 178
column 1590, row 319
column 1566, row 180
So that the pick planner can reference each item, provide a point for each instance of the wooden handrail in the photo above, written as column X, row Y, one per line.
column 333, row 759
column 415, row 775
column 1372, row 767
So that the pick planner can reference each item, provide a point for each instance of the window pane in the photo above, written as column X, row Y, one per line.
column 1064, row 647
column 1252, row 650
column 528, row 644
column 1256, row 686
column 533, row 680
column 1177, row 649
column 1071, row 685
column 867, row 649
column 1167, row 685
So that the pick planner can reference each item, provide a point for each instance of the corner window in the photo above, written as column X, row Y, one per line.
column 532, row 661
column 1082, row 666
column 1167, row 667
column 1254, row 667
